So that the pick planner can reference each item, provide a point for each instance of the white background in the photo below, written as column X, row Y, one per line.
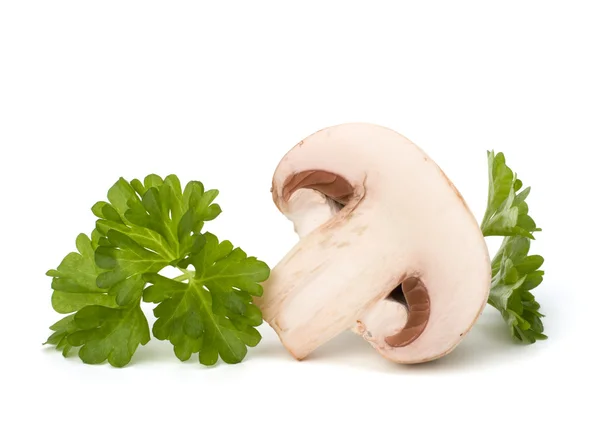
column 90, row 91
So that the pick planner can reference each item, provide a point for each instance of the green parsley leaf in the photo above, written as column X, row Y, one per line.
column 109, row 334
column 147, row 226
column 103, row 331
column 62, row 328
column 213, row 312
column 507, row 211
column 141, row 229
column 514, row 271
column 74, row 281
column 514, row 274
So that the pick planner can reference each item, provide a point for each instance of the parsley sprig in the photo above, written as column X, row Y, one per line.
column 143, row 228
column 514, row 272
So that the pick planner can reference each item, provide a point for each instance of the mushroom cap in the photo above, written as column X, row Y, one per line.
column 374, row 212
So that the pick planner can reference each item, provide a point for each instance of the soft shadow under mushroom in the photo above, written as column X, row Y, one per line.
column 487, row 344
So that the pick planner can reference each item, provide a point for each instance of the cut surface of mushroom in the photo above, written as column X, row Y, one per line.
column 388, row 248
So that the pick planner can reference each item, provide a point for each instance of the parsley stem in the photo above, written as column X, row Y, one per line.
column 187, row 274
column 181, row 278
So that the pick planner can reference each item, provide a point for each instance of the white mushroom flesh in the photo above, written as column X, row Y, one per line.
column 402, row 220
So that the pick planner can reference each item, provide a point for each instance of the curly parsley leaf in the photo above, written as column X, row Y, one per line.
column 142, row 228
column 514, row 272
column 212, row 313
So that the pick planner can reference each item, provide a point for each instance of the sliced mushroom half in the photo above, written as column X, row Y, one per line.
column 388, row 248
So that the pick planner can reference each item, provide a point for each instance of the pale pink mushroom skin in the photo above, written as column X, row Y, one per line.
column 404, row 219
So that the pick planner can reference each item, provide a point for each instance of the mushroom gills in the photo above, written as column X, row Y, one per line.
column 334, row 187
column 414, row 296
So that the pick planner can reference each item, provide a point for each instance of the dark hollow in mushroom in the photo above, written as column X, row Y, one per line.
column 397, row 295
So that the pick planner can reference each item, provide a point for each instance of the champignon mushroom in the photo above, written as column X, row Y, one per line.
column 388, row 248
